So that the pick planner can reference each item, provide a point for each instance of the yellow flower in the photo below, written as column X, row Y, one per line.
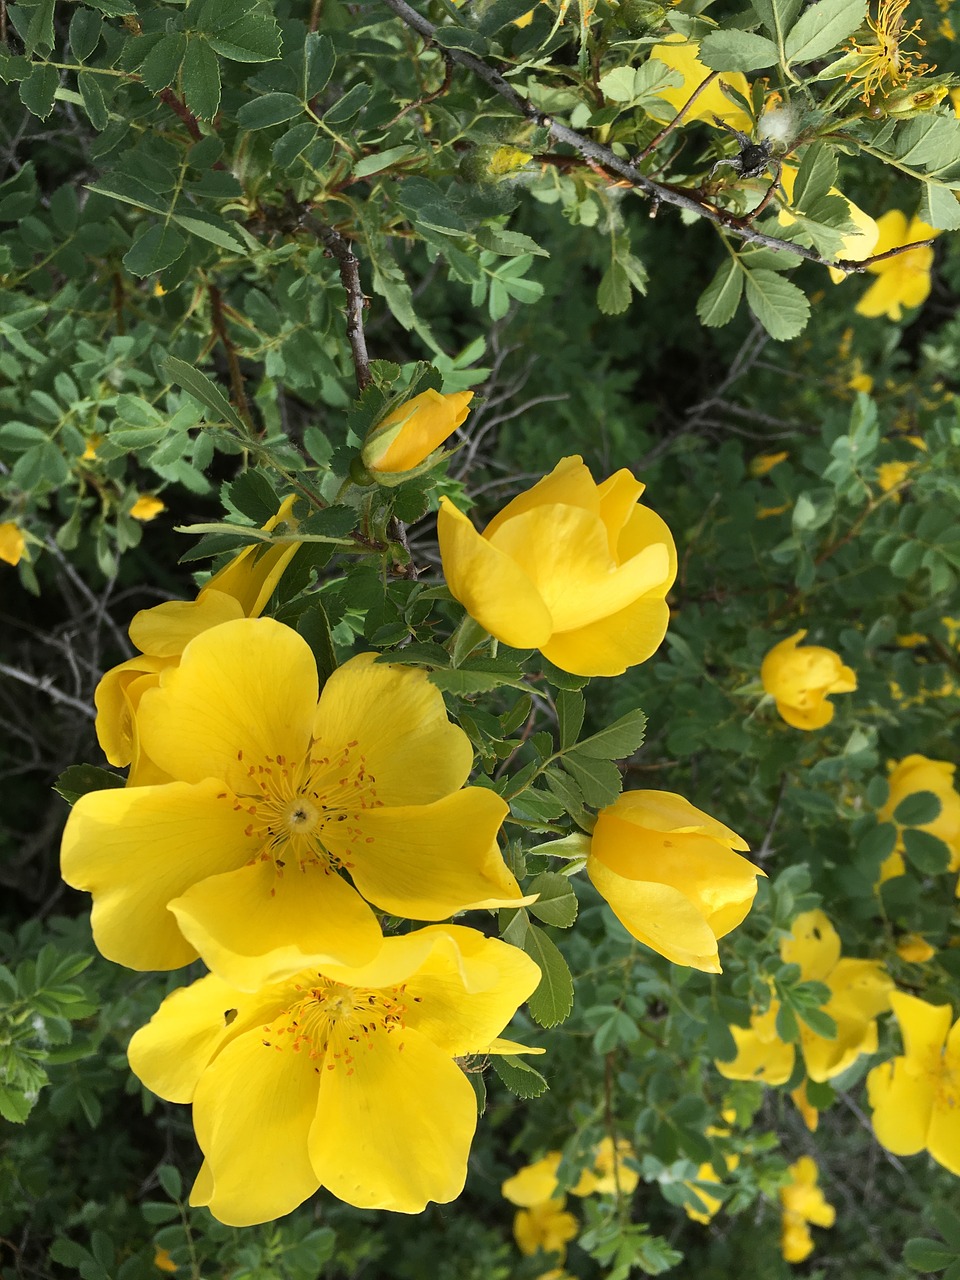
column 91, row 446
column 410, row 434
column 891, row 474
column 802, row 1202
column 883, row 63
column 669, row 872
column 336, row 1077
column 12, row 543
column 764, row 463
column 243, row 587
column 912, row 640
column 536, row 1183
column 859, row 991
column 860, row 381
column 707, row 1173
column 904, row 279
column 915, row 949
column 856, row 245
column 610, row 1172
column 547, row 1227
column 918, row 773
column 577, row 570
column 765, row 513
column 508, row 159
column 680, row 55
column 273, row 794
column 146, row 508
column 916, row 1097
column 162, row 1260
column 801, row 679
column 810, row 1114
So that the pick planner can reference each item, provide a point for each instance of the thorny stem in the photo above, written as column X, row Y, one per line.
column 349, row 266
column 186, row 115
column 672, row 124
column 595, row 154
column 236, row 377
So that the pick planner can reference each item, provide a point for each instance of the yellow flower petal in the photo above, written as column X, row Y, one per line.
column 146, row 508
column 814, row 945
column 408, row 435
column 534, row 1183
column 12, row 543
column 547, row 1227
column 117, row 698
column 252, row 576
column 902, row 1106
column 252, row 1112
column 138, row 848
column 760, row 1054
column 681, row 55
column 165, row 630
column 407, row 1115
column 609, row 646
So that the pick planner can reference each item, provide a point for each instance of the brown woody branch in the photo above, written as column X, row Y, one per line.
column 349, row 266
column 233, row 363
column 597, row 155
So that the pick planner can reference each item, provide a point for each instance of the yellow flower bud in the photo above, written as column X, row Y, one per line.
column 408, row 435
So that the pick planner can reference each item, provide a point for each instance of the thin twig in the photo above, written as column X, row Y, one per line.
column 595, row 154
column 672, row 124
column 46, row 685
column 350, row 279
column 233, row 364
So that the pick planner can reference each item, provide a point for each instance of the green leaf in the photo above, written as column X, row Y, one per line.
column 778, row 16
column 557, row 904
column 348, row 106
column 928, row 854
column 779, row 305
column 940, row 208
column 917, row 809
column 613, row 293
column 253, row 495
column 786, row 1025
column 823, row 27
column 618, row 741
column 928, row 1255
column 552, row 1001
column 293, row 143
column 380, row 160
column 201, row 388
column 599, row 780
column 268, row 110
column 718, row 303
column 468, row 683
column 94, row 104
column 14, row 1106
column 879, row 843
column 816, row 175
column 519, row 1078
column 213, row 232
column 729, row 50
column 571, row 709
column 162, row 64
column 253, row 38
column 38, row 90
column 40, row 33
column 201, row 79
column 79, row 779
column 314, row 626
column 86, row 28
column 319, row 60
column 154, row 247
column 820, row 1023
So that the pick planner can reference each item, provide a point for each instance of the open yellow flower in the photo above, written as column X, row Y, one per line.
column 409, row 435
column 681, row 55
column 903, row 280
column 801, row 679
column 243, row 587
column 547, row 1227
column 919, row 773
column 274, row 795
column 336, row 1077
column 859, row 991
column 577, row 570
column 670, row 874
column 803, row 1202
column 916, row 1097
column 536, row 1183
column 12, row 543
column 146, row 507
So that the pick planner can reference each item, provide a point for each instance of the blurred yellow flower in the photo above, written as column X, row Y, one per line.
column 800, row 680
column 93, row 443
column 765, row 513
column 707, row 1173
column 919, row 773
column 810, row 1114
column 146, row 508
column 802, row 1202
column 680, row 55
column 764, row 463
column 408, row 436
column 536, row 1183
column 916, row 1096
column 670, row 874
column 915, row 949
column 890, row 474
column 162, row 1260
column 903, row 280
column 12, row 543
column 576, row 569
column 508, row 159
column 547, row 1227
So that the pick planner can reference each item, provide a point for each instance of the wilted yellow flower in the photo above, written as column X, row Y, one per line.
column 915, row 949
column 903, row 280
column 859, row 991
column 577, row 570
column 802, row 1202
column 918, row 773
column 883, row 63
column 272, row 794
column 547, row 1227
column 242, row 588
column 764, row 463
column 146, row 508
column 670, row 874
column 916, row 1097
column 680, row 55
column 12, row 543
column 336, row 1077
column 890, row 474
column 800, row 680
column 410, row 434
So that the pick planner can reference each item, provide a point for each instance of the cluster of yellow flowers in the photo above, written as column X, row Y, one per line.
column 268, row 825
column 542, row 1222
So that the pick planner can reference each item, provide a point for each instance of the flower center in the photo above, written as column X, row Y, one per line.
column 332, row 1023
column 309, row 811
